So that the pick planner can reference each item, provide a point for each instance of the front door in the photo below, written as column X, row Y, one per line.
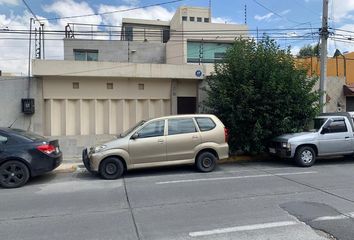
column 182, row 139
column 186, row 105
column 337, row 139
column 150, row 144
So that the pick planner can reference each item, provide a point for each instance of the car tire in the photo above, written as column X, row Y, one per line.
column 13, row 174
column 206, row 162
column 111, row 168
column 305, row 156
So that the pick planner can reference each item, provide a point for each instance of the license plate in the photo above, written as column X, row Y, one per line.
column 272, row 150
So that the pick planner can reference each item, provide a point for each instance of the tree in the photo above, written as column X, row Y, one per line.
column 309, row 51
column 259, row 93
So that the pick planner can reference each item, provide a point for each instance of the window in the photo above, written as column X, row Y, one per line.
column 180, row 126
column 206, row 52
column 184, row 18
column 154, row 129
column 205, row 123
column 191, row 19
column 109, row 85
column 338, row 126
column 165, row 35
column 85, row 55
column 199, row 19
column 219, row 55
column 76, row 85
column 141, row 86
column 128, row 33
column 3, row 140
column 206, row 20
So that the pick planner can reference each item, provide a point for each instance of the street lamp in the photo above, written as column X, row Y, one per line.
column 336, row 54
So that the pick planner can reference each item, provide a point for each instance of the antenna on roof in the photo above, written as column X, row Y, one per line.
column 210, row 10
column 245, row 14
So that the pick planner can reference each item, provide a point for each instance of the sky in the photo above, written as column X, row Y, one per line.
column 261, row 14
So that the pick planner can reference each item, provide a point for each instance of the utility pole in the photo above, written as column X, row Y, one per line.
column 324, row 36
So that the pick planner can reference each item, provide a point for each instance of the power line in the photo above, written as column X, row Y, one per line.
column 33, row 14
column 275, row 13
column 116, row 11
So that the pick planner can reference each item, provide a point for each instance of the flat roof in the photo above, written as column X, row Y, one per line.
column 145, row 22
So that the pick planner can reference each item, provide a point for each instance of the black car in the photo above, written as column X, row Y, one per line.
column 25, row 154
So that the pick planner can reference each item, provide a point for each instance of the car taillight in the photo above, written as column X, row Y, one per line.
column 46, row 148
column 226, row 132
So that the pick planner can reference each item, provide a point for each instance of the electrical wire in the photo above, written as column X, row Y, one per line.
column 111, row 12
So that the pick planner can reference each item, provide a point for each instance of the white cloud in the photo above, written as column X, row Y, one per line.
column 66, row 8
column 285, row 12
column 10, row 2
column 266, row 17
column 154, row 13
column 342, row 11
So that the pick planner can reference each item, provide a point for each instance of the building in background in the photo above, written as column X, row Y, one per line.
column 150, row 68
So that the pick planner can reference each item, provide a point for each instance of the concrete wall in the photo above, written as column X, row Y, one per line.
column 118, row 51
column 94, row 109
column 12, row 90
column 335, row 96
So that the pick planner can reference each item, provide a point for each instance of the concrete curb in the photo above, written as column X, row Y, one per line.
column 66, row 168
column 244, row 158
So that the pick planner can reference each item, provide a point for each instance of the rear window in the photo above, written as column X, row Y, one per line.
column 29, row 135
column 205, row 123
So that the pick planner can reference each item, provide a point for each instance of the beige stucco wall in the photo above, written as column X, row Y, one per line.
column 113, row 69
column 94, row 109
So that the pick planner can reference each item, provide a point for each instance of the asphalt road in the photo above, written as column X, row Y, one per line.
column 250, row 200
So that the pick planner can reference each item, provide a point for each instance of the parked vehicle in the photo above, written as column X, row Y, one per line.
column 173, row 140
column 25, row 154
column 332, row 135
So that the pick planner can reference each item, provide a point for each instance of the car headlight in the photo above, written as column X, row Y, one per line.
column 286, row 145
column 99, row 148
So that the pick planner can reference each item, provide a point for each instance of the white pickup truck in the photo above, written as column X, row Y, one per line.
column 332, row 135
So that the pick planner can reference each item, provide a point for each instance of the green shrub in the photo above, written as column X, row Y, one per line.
column 259, row 92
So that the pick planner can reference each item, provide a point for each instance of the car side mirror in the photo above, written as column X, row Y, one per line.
column 325, row 130
column 135, row 136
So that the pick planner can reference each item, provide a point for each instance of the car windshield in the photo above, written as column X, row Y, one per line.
column 130, row 130
column 316, row 124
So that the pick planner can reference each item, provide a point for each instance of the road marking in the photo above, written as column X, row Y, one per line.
column 329, row 218
column 336, row 217
column 243, row 228
column 236, row 177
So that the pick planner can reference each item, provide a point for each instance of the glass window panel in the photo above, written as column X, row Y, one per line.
column 154, row 129
column 80, row 55
column 180, row 126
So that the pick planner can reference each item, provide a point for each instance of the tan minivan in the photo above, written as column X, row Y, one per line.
column 199, row 139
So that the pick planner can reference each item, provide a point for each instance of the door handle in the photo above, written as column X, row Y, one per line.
column 160, row 141
column 195, row 137
column 346, row 137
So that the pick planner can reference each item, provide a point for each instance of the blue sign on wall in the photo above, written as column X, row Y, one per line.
column 198, row 73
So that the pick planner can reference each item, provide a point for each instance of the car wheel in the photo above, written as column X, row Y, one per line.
column 13, row 174
column 111, row 168
column 206, row 162
column 305, row 156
